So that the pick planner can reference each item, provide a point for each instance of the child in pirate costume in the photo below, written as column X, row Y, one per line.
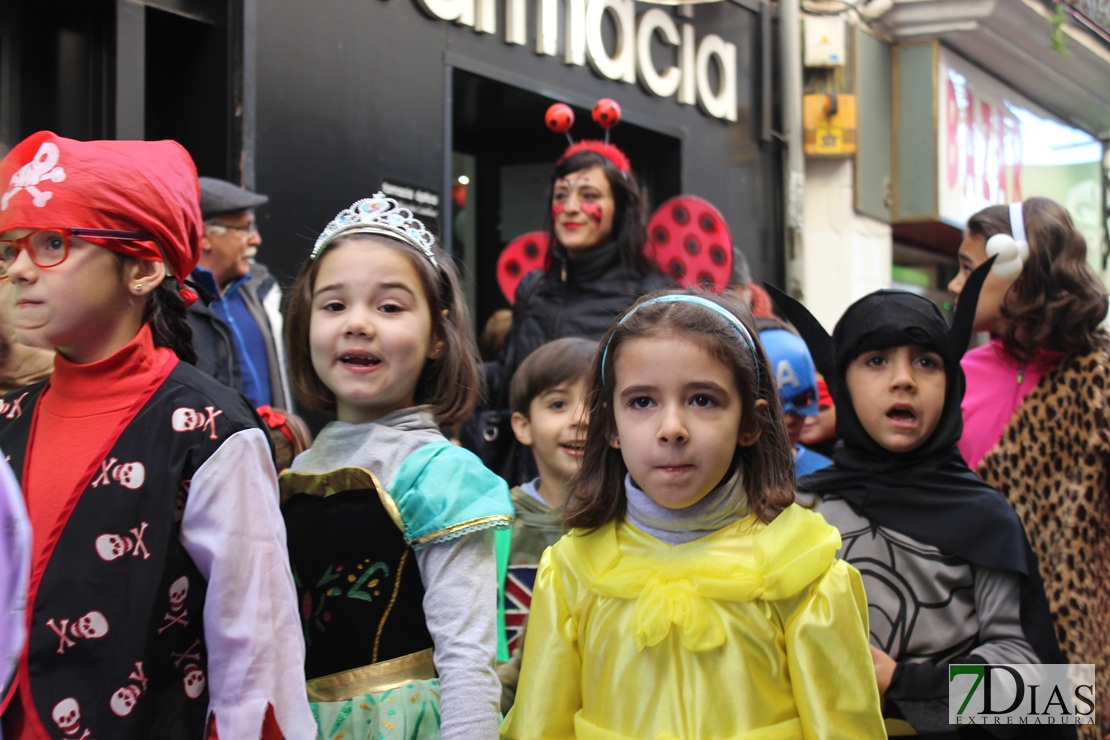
column 391, row 527
column 161, row 601
column 948, row 572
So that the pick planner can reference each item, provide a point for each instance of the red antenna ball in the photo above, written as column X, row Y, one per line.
column 559, row 118
column 607, row 113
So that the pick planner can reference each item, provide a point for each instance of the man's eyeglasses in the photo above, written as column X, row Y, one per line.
column 247, row 230
column 50, row 247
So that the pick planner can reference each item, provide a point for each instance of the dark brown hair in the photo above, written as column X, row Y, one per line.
column 1057, row 302
column 560, row 361
column 448, row 383
column 597, row 492
column 629, row 218
column 165, row 312
column 168, row 318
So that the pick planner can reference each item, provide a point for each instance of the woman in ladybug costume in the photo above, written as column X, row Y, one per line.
column 161, row 604
column 596, row 266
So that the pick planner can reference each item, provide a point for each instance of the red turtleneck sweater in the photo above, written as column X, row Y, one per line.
column 80, row 415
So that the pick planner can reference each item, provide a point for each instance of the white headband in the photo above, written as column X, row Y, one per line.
column 1012, row 251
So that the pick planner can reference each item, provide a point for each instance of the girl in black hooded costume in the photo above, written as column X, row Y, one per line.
column 946, row 565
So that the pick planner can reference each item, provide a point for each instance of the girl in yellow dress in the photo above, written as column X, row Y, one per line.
column 692, row 598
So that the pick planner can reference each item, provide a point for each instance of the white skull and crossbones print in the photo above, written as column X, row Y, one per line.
column 177, row 614
column 130, row 475
column 91, row 626
column 67, row 715
column 189, row 420
column 44, row 167
column 110, row 546
column 125, row 698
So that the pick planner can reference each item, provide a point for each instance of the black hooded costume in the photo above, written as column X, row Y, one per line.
column 946, row 565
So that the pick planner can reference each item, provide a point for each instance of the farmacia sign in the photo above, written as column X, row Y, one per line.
column 690, row 80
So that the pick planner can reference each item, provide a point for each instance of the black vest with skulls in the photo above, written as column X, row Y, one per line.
column 116, row 642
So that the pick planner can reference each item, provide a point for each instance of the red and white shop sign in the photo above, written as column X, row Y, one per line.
column 980, row 142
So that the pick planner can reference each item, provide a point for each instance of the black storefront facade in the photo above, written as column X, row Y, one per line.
column 320, row 103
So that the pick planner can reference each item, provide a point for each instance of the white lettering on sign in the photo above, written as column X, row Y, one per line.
column 461, row 11
column 690, row 81
column 979, row 142
column 622, row 64
column 576, row 31
column 722, row 102
column 421, row 202
column 398, row 191
column 662, row 83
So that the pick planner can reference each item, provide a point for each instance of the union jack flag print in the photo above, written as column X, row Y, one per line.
column 518, row 600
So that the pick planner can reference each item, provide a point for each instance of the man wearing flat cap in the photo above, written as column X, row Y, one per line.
column 238, row 334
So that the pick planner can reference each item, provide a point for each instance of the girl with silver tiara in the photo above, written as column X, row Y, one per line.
column 390, row 525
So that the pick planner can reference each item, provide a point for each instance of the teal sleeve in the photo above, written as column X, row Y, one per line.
column 443, row 491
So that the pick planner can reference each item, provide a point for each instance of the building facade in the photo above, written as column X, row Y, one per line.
column 318, row 104
column 956, row 105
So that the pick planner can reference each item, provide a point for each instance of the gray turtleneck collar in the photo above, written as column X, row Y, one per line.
column 721, row 507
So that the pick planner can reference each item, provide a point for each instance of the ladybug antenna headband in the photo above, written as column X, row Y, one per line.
column 607, row 114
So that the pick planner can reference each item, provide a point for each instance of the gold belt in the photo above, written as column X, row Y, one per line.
column 372, row 679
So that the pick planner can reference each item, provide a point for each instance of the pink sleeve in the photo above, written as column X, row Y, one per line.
column 996, row 388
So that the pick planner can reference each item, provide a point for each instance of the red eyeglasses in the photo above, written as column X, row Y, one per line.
column 50, row 247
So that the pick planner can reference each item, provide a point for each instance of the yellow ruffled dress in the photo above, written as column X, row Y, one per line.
column 755, row 631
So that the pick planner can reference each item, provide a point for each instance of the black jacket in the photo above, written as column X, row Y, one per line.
column 580, row 297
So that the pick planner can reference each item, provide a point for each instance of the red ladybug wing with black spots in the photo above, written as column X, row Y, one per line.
column 689, row 240
column 519, row 257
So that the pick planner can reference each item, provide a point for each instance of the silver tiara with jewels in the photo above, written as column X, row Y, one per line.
column 378, row 215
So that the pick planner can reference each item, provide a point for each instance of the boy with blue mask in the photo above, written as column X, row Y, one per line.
column 796, row 379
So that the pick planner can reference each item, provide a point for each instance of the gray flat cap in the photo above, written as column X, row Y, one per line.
column 220, row 196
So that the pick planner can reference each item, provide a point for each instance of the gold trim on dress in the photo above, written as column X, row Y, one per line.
column 479, row 523
column 352, row 478
column 374, row 678
column 392, row 601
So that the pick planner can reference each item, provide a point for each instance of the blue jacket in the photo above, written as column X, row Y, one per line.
column 214, row 337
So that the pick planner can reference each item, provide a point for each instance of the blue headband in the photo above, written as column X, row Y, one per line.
column 697, row 301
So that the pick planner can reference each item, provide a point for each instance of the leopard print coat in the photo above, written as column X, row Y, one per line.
column 1053, row 465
